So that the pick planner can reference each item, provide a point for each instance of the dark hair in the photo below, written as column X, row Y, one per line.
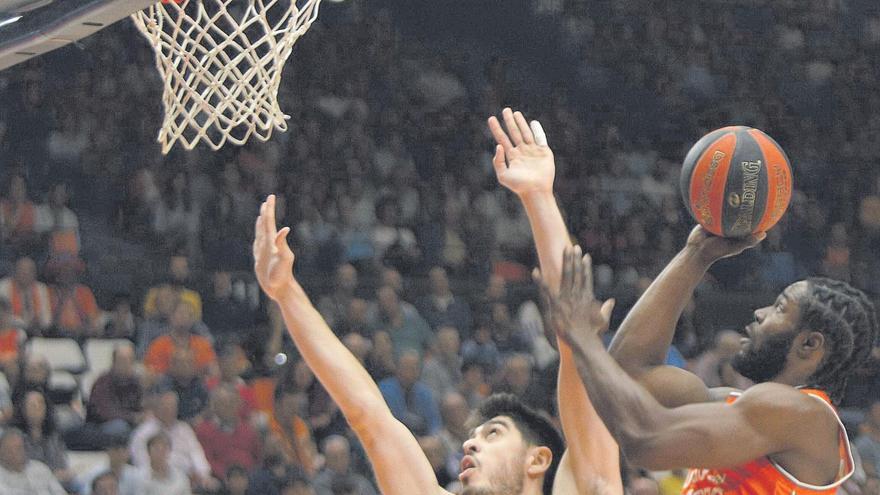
column 847, row 319
column 535, row 427
column 105, row 474
column 158, row 436
column 236, row 469
column 19, row 420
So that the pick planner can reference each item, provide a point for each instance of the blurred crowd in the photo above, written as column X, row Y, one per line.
column 415, row 256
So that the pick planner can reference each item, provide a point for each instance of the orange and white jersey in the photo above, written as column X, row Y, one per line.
column 765, row 477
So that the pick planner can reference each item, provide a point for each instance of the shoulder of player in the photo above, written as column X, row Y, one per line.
column 779, row 406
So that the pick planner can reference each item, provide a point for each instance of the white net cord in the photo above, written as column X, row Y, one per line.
column 221, row 63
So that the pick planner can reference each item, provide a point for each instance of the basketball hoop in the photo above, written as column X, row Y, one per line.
column 221, row 63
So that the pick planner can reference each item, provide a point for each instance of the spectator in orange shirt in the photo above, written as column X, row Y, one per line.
column 10, row 335
column 28, row 297
column 18, row 217
column 160, row 351
column 179, row 278
column 294, row 434
column 75, row 312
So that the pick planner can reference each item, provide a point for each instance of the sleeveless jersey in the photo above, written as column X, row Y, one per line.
column 765, row 477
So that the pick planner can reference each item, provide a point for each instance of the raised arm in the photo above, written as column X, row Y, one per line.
column 643, row 339
column 524, row 164
column 400, row 465
column 770, row 419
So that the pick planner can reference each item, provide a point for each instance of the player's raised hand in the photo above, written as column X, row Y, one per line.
column 523, row 161
column 273, row 258
column 713, row 248
column 573, row 312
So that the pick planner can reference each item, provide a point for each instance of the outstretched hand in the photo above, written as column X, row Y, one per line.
column 573, row 312
column 273, row 258
column 713, row 248
column 523, row 161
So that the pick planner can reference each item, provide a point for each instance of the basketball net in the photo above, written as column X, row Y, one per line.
column 221, row 63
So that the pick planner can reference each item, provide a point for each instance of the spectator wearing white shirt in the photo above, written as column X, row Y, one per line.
column 186, row 451
column 162, row 476
column 18, row 474
column 126, row 476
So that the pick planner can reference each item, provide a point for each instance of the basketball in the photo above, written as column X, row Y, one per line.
column 736, row 181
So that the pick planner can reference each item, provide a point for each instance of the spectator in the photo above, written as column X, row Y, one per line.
column 360, row 317
column 75, row 313
column 115, row 400
column 409, row 399
column 105, row 484
column 34, row 416
column 291, row 433
column 507, row 336
column 18, row 217
column 122, row 324
column 334, row 307
column 233, row 363
column 275, row 472
column 236, row 481
column 441, row 307
column 30, row 299
column 454, row 411
column 337, row 458
column 20, row 475
column 517, row 379
column 11, row 336
column 162, row 476
column 393, row 244
column 186, row 451
column 178, row 216
column 190, row 388
column 473, row 386
column 481, row 349
column 407, row 329
column 227, row 440
column 157, row 324
column 125, row 475
column 442, row 370
column 58, row 222
column 225, row 313
column 868, row 442
column 713, row 366
column 179, row 278
column 438, row 456
column 181, row 336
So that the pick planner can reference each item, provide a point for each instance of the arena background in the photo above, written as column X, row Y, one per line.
column 387, row 167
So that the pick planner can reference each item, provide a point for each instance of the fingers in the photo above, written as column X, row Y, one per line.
column 565, row 285
column 271, row 228
column 281, row 238
column 524, row 129
column 577, row 282
column 538, row 132
column 607, row 309
column 512, row 127
column 499, row 134
column 499, row 162
column 587, row 275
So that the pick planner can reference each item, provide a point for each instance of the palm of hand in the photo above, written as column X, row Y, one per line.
column 530, row 168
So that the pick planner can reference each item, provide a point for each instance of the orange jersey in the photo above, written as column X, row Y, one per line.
column 765, row 477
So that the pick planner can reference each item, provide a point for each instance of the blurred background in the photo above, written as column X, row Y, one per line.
column 399, row 225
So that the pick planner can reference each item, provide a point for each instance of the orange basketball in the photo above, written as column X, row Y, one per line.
column 736, row 181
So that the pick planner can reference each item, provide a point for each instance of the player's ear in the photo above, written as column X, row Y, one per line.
column 809, row 343
column 538, row 461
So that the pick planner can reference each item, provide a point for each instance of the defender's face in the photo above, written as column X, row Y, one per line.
column 769, row 338
column 495, row 459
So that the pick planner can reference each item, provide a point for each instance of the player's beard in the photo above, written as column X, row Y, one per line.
column 506, row 480
column 765, row 362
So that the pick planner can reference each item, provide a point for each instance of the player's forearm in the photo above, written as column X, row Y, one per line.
column 589, row 442
column 643, row 339
column 629, row 411
column 341, row 374
column 550, row 234
column 594, row 450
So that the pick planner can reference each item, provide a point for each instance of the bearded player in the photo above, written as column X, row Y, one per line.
column 512, row 450
column 781, row 436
